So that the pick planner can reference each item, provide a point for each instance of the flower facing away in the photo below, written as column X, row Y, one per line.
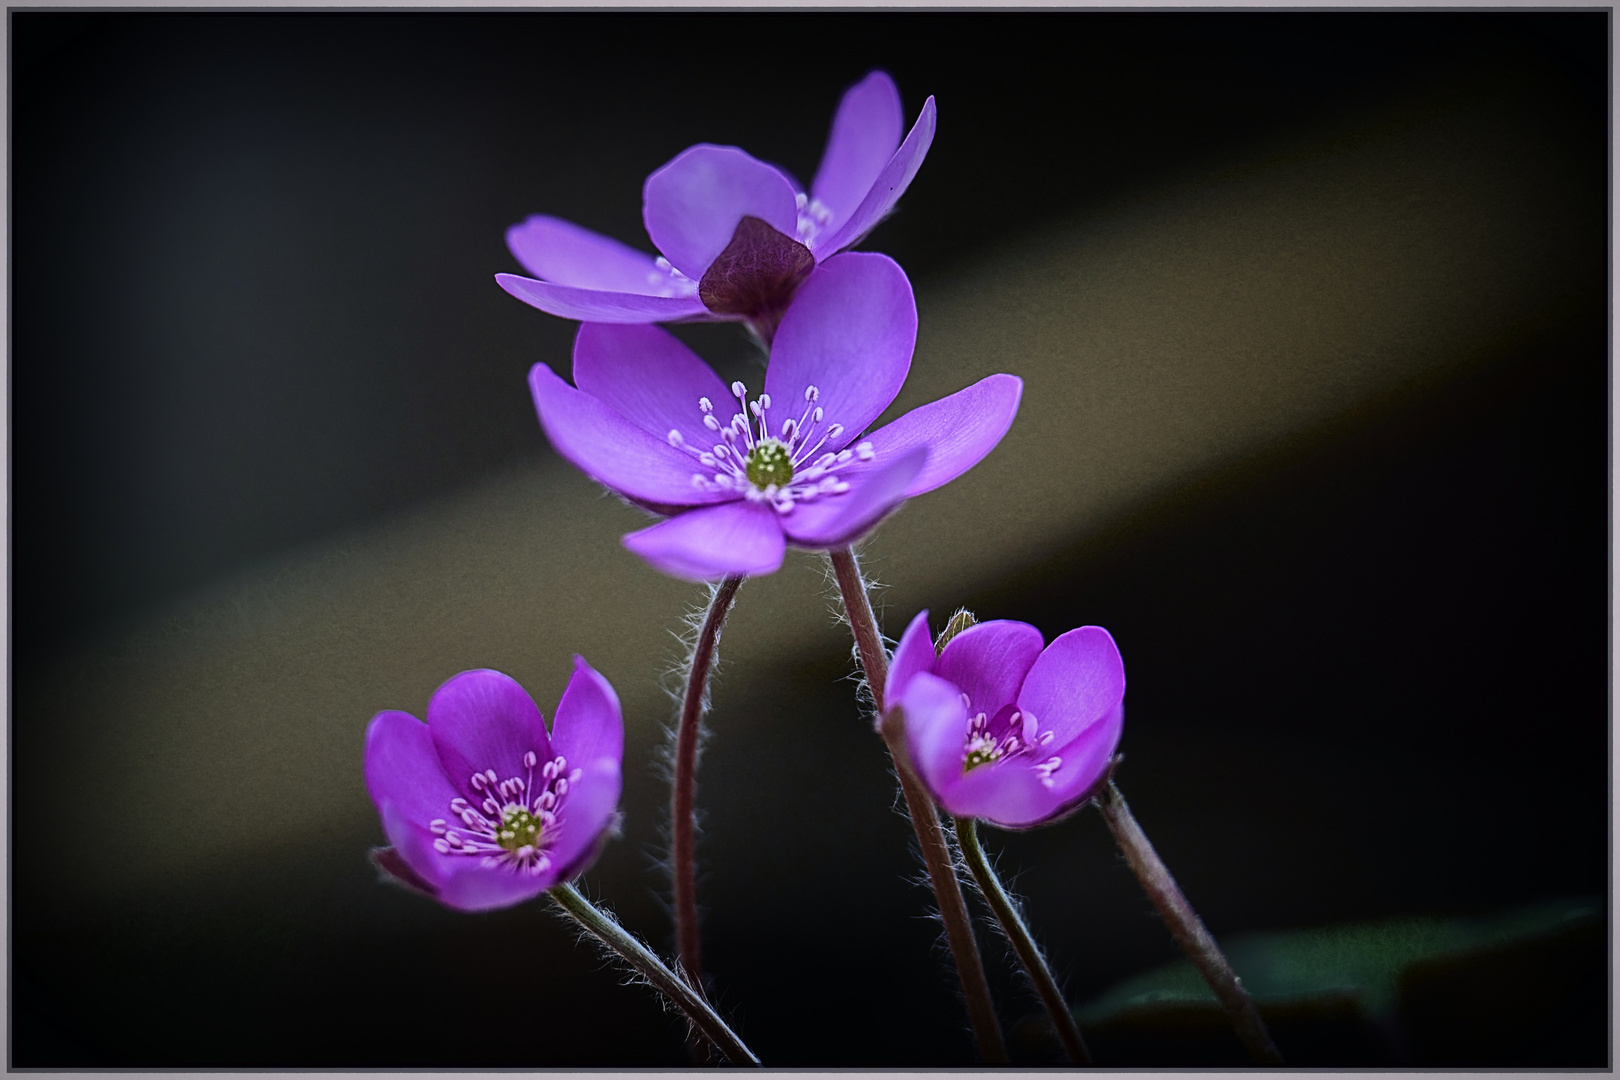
column 741, row 479
column 738, row 236
column 1002, row 730
column 482, row 807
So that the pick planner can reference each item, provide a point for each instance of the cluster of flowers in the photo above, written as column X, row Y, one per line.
column 482, row 806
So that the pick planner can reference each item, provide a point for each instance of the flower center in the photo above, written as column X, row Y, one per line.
column 1010, row 733
column 781, row 469
column 512, row 826
column 519, row 829
column 770, row 462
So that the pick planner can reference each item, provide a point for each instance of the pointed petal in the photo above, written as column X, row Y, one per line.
column 989, row 662
column 915, row 653
column 592, row 305
column 403, row 767
column 483, row 720
column 834, row 520
column 588, row 726
column 647, row 376
column 713, row 542
column 610, row 449
column 1075, row 683
column 936, row 724
column 561, row 252
column 865, row 133
column 886, row 190
column 586, row 813
column 850, row 333
column 478, row 888
column 691, row 205
column 958, row 430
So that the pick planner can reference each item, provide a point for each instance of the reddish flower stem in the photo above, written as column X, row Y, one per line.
column 1023, row 943
column 683, row 829
column 924, row 818
column 1187, row 928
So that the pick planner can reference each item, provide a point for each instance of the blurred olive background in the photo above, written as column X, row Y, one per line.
column 1312, row 313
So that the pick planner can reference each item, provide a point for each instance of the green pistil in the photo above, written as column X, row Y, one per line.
column 975, row 758
column 769, row 463
column 519, row 829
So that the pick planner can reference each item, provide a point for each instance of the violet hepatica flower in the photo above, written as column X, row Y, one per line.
column 742, row 478
column 1004, row 731
column 482, row 807
column 737, row 236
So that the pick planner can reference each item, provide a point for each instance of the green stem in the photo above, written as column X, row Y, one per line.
column 924, row 818
column 967, row 837
column 1187, row 928
column 646, row 963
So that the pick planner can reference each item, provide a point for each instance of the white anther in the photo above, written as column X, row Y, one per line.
column 764, row 401
column 787, row 429
column 812, row 393
column 453, row 839
column 573, row 777
column 739, row 390
column 477, row 781
column 710, row 422
column 676, row 439
column 705, row 404
column 529, row 759
column 845, row 456
column 708, row 459
column 1047, row 737
column 754, row 407
column 834, row 431
column 825, row 460
column 561, row 786
column 441, row 847
column 548, row 770
column 437, row 826
column 458, row 804
column 492, row 808
column 816, row 416
column 518, row 784
column 865, row 451
column 489, row 774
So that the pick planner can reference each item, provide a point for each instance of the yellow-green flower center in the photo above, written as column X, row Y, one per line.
column 518, row 829
column 769, row 462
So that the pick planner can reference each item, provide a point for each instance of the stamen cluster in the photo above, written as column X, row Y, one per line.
column 1013, row 733
column 514, row 824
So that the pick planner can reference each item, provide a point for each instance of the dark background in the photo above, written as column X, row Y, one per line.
column 252, row 308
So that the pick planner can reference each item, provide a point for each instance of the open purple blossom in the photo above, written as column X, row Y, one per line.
column 482, row 807
column 741, row 478
column 1002, row 730
column 737, row 236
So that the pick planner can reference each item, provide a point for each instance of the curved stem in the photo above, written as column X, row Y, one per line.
column 646, row 962
column 683, row 828
column 924, row 818
column 967, row 837
column 1187, row 928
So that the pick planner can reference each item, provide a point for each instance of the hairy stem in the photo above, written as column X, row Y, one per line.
column 646, row 962
column 1187, row 928
column 967, row 837
column 683, row 830
column 924, row 818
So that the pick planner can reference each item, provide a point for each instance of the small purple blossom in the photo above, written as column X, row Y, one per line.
column 742, row 477
column 482, row 807
column 1002, row 730
column 737, row 236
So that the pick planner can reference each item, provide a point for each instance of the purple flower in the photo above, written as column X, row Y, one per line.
column 743, row 478
column 482, row 808
column 738, row 236
column 1001, row 730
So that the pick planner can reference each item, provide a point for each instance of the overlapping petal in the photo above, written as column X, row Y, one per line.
column 474, row 888
column 482, row 720
column 739, row 537
column 585, row 817
column 692, row 205
column 850, row 333
column 936, row 724
column 592, row 305
column 403, row 768
column 833, row 521
column 958, row 430
column 865, row 133
column 1075, row 682
column 988, row 662
column 588, row 726
column 567, row 254
column 647, row 376
column 913, row 654
column 889, row 186
column 610, row 449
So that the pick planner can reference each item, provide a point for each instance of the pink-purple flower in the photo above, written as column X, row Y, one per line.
column 741, row 478
column 737, row 236
column 999, row 728
column 482, row 807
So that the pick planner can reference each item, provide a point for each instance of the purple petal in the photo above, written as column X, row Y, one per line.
column 850, row 333
column 1074, row 684
column 561, row 252
column 483, row 720
column 588, row 726
column 479, row 888
column 591, row 305
column 713, row 542
column 1085, row 758
column 886, row 190
column 865, row 133
column 647, row 376
column 1008, row 793
column 936, row 724
column 915, row 653
column 989, row 662
column 610, row 449
column 403, row 767
column 414, row 845
column 586, row 812
column 958, row 430
column 393, row 866
column 834, row 520
column 692, row 205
